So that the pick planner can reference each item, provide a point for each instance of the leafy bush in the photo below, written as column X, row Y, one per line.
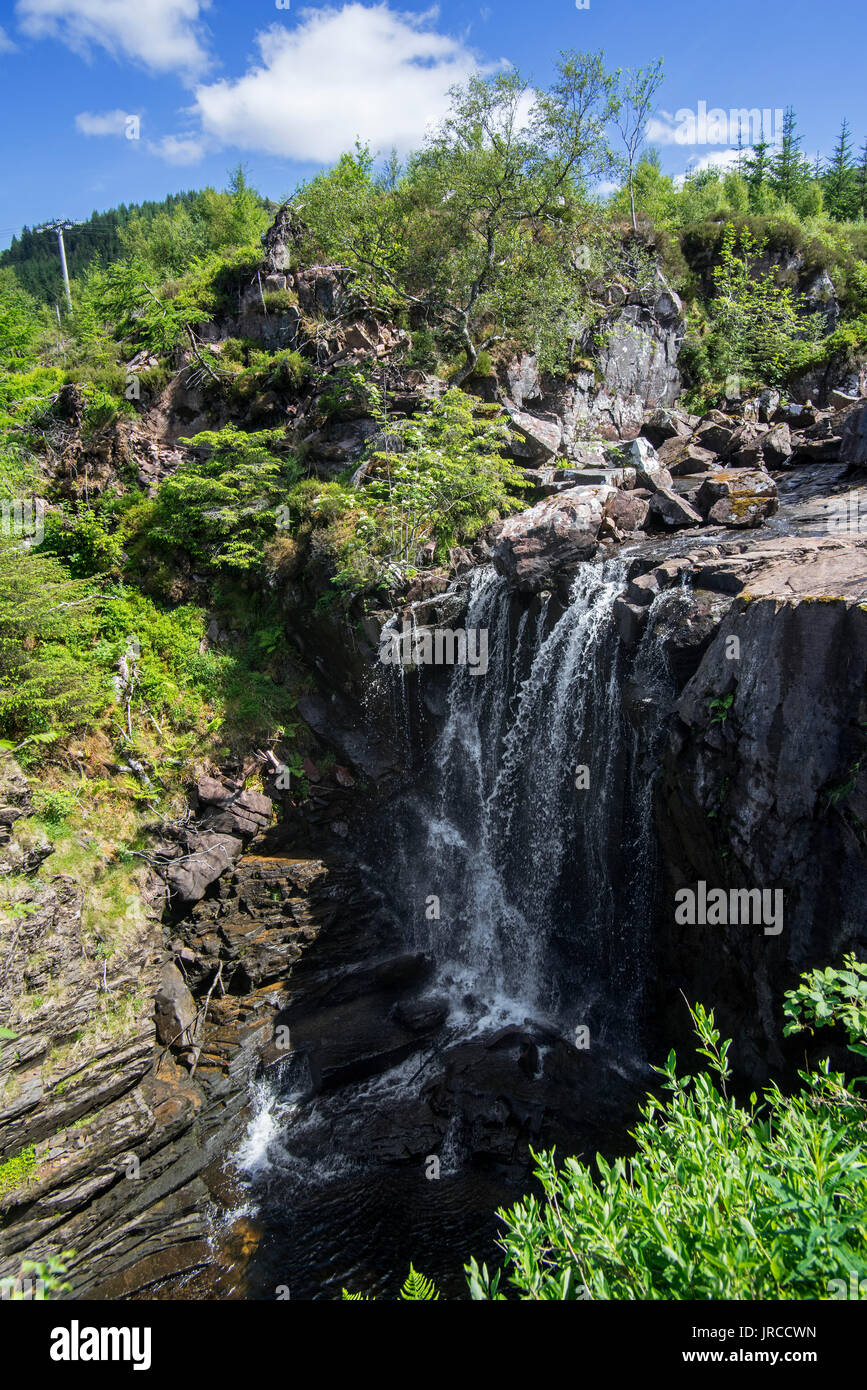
column 48, row 687
column 54, row 804
column 445, row 480
column 720, row 1201
column 282, row 371
column 827, row 998
column 220, row 507
column 754, row 327
column 82, row 542
column 438, row 477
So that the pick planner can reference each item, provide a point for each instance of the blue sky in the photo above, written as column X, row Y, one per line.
column 285, row 89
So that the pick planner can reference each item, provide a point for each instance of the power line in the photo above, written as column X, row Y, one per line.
column 59, row 225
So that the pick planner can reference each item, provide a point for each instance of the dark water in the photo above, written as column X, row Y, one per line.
column 363, row 1233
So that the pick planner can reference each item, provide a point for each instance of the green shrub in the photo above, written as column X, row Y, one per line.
column 423, row 351
column 54, row 805
column 48, row 685
column 82, row 542
column 279, row 301
column 17, row 1171
column 754, row 327
column 721, row 1200
column 220, row 507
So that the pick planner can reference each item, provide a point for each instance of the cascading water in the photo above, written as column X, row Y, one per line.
column 519, row 863
column 526, row 840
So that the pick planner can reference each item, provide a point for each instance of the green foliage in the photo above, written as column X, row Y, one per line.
column 720, row 708
column 279, row 301
column 54, row 804
column 423, row 352
column 284, row 371
column 438, row 477
column 47, row 688
column 418, row 1289
column 827, row 998
column 17, row 1171
column 142, row 311
column 82, row 541
column 33, row 256
column 756, row 329
column 720, row 1201
column 446, row 479
column 476, row 236
column 219, row 504
column 47, row 1275
column 347, row 391
column 656, row 198
column 25, row 384
column 22, row 324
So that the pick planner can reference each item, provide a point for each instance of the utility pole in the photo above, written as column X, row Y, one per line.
column 58, row 226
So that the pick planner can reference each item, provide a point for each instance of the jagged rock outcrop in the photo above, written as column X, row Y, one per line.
column 533, row 546
column 742, row 498
column 130, row 1075
column 762, row 785
column 853, row 440
column 637, row 371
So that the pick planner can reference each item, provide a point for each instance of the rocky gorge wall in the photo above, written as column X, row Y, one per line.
column 262, row 919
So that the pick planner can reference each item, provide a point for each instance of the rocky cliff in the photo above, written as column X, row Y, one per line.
column 744, row 569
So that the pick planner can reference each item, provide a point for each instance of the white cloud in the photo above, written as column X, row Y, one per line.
column 163, row 35
column 662, row 129
column 101, row 122
column 723, row 160
column 365, row 71
column 178, row 149
column 6, row 44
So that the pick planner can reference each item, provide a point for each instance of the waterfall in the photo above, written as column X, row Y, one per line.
column 515, row 874
column 522, row 854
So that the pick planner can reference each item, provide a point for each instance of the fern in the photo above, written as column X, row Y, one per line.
column 417, row 1288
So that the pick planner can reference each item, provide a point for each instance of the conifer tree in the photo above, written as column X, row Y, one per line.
column 758, row 168
column 838, row 179
column 862, row 182
column 788, row 172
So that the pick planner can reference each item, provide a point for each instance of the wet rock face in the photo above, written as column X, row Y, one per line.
column 853, row 442
column 762, row 788
column 124, row 1136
